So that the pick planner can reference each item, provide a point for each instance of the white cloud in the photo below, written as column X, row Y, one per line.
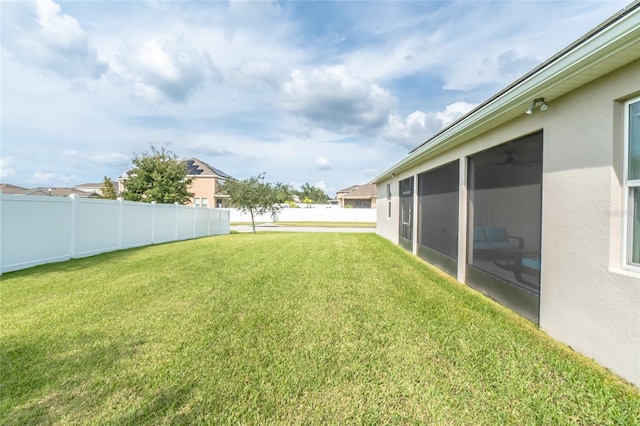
column 469, row 45
column 40, row 35
column 45, row 178
column 251, row 73
column 453, row 112
column 110, row 159
column 321, row 185
column 418, row 126
column 6, row 169
column 322, row 163
column 166, row 67
column 395, row 59
column 214, row 151
column 333, row 99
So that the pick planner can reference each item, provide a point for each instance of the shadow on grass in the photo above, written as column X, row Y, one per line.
column 46, row 377
column 170, row 404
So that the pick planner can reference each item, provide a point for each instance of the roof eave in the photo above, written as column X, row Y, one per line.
column 618, row 33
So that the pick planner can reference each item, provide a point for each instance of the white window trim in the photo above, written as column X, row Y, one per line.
column 628, row 185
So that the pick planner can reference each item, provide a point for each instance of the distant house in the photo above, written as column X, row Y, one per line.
column 49, row 191
column 205, row 185
column 358, row 196
column 533, row 198
column 95, row 187
column 7, row 188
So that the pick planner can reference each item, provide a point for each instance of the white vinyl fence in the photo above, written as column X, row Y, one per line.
column 37, row 229
column 319, row 213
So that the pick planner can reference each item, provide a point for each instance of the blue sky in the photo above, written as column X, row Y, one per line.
column 330, row 93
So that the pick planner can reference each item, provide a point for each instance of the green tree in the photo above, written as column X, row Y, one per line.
column 108, row 191
column 157, row 175
column 313, row 193
column 255, row 196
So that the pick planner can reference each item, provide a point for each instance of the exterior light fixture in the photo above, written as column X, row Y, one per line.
column 538, row 101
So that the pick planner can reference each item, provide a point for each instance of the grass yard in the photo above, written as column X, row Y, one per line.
column 317, row 224
column 281, row 329
column 329, row 224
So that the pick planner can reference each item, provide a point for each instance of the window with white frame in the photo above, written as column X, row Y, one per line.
column 632, row 181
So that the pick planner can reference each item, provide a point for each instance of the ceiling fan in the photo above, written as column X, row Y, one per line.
column 511, row 161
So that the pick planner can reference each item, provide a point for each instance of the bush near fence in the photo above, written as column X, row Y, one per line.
column 37, row 229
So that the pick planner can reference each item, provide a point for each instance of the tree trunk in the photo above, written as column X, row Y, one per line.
column 253, row 222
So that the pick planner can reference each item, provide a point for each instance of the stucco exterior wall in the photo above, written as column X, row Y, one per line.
column 588, row 299
column 204, row 187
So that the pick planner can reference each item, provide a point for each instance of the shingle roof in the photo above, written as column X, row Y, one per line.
column 196, row 167
column 90, row 185
column 360, row 191
column 348, row 189
column 61, row 192
column 44, row 190
column 7, row 188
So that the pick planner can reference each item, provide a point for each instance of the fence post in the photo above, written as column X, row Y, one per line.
column 195, row 219
column 175, row 237
column 153, row 222
column 120, row 221
column 74, row 201
column 208, row 221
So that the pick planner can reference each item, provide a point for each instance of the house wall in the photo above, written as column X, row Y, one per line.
column 204, row 187
column 588, row 299
column 344, row 199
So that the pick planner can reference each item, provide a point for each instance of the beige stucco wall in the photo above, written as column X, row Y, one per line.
column 588, row 300
column 204, row 187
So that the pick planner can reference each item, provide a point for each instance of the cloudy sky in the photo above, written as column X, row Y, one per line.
column 329, row 93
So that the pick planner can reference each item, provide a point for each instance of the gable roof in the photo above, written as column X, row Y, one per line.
column 60, row 192
column 367, row 190
column 90, row 186
column 347, row 189
column 609, row 46
column 7, row 188
column 196, row 167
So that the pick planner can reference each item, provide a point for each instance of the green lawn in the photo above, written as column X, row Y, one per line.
column 317, row 224
column 285, row 329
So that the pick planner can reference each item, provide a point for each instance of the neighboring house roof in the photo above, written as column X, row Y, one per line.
column 611, row 45
column 196, row 167
column 60, row 192
column 7, row 188
column 94, row 187
column 347, row 189
column 364, row 191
